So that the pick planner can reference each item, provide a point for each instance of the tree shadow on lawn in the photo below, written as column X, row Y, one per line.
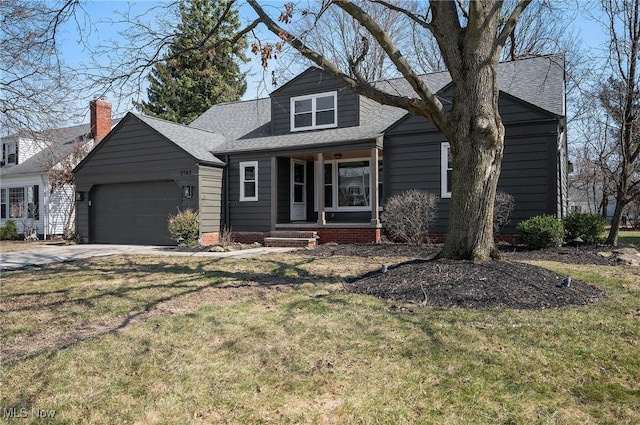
column 198, row 286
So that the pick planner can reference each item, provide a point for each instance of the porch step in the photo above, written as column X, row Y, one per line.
column 292, row 238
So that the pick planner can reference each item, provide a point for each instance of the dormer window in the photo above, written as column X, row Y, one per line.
column 314, row 112
column 9, row 153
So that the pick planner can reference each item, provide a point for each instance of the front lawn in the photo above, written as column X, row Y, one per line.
column 276, row 339
column 631, row 237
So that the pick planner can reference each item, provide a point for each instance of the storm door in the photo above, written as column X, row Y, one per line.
column 298, row 190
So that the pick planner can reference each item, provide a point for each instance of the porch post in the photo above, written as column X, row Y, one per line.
column 274, row 192
column 373, row 190
column 320, row 185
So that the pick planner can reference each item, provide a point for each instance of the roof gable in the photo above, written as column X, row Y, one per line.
column 292, row 83
column 194, row 142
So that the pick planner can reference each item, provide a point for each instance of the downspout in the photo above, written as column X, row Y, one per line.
column 226, row 194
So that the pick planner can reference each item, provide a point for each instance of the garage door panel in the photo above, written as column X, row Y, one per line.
column 134, row 213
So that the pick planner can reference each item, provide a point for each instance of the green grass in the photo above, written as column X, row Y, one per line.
column 277, row 340
column 629, row 237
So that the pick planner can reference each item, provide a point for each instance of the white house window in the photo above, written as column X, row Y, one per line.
column 446, row 170
column 347, row 185
column 314, row 112
column 249, row 181
column 9, row 153
column 353, row 184
column 16, row 202
column 3, row 203
column 328, row 185
column 33, row 202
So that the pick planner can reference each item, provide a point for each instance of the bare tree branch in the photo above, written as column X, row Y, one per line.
column 435, row 109
column 510, row 23
column 416, row 106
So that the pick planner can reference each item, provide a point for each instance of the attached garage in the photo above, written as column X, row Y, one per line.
column 144, row 170
column 133, row 213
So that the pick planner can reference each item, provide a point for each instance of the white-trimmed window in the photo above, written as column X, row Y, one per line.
column 314, row 112
column 16, row 202
column 9, row 153
column 20, row 202
column 446, row 170
column 3, row 203
column 347, row 185
column 249, row 181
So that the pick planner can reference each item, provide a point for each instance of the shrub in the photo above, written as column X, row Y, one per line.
column 9, row 232
column 409, row 215
column 543, row 231
column 184, row 227
column 226, row 237
column 502, row 208
column 589, row 227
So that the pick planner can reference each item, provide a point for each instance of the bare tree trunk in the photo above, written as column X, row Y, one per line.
column 477, row 144
column 69, row 227
column 612, row 239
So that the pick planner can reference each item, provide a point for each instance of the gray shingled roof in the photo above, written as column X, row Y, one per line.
column 56, row 145
column 43, row 160
column 245, row 125
column 196, row 142
column 249, row 118
column 539, row 81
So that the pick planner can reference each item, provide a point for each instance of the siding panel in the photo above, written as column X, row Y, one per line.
column 412, row 161
column 254, row 216
column 210, row 189
column 312, row 81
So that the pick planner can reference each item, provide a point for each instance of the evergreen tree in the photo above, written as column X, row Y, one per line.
column 197, row 71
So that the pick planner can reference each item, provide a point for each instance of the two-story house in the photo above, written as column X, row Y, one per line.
column 26, row 192
column 314, row 156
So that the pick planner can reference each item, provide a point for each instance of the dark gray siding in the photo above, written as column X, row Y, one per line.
column 412, row 161
column 284, row 190
column 252, row 216
column 310, row 82
column 210, row 188
column 512, row 111
column 133, row 153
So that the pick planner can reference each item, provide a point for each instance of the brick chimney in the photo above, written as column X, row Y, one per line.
column 100, row 119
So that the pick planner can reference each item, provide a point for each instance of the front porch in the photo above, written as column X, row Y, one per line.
column 335, row 194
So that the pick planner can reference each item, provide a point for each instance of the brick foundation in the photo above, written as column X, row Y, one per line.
column 336, row 234
column 209, row 238
column 346, row 234
column 249, row 237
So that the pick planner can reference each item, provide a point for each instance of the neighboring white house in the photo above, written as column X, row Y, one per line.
column 26, row 194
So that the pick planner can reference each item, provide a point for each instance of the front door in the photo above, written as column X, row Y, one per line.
column 298, row 190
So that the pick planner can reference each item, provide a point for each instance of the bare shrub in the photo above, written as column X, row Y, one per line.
column 409, row 216
column 502, row 208
column 226, row 237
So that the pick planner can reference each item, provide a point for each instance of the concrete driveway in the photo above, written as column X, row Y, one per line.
column 49, row 254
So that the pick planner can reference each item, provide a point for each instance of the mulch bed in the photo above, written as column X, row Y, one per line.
column 507, row 283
